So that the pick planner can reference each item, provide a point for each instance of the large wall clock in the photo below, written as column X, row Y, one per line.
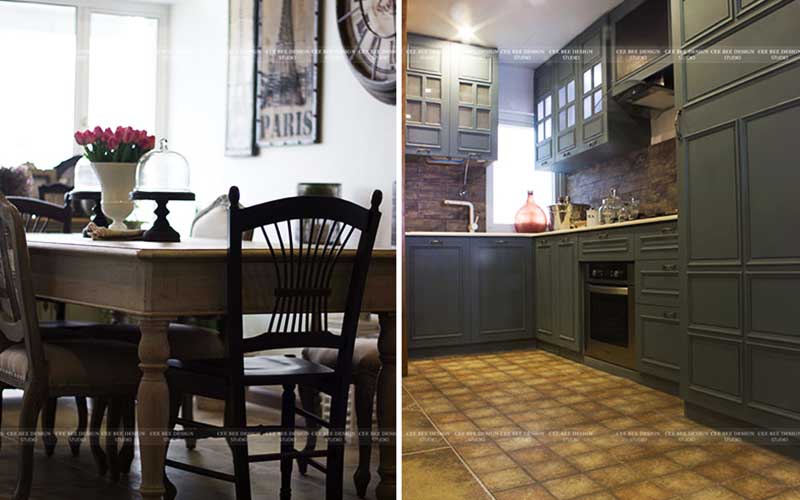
column 368, row 33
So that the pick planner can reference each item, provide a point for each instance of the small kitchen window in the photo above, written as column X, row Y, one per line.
column 513, row 174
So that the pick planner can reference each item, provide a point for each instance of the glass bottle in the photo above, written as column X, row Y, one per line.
column 530, row 218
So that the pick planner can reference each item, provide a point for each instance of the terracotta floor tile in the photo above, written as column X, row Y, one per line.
column 533, row 455
column 720, row 471
column 419, row 434
column 448, row 417
column 438, row 475
column 490, row 463
column 785, row 472
column 525, row 493
column 571, row 486
column 788, row 495
column 646, row 490
column 683, row 482
column 655, row 466
column 756, row 487
column 592, row 460
column 601, row 495
column 505, row 479
column 481, row 412
column 550, row 469
column 756, row 459
column 474, row 450
column 691, row 456
column 570, row 448
column 517, row 442
column 715, row 493
column 616, row 475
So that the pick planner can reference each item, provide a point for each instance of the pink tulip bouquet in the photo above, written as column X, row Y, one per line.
column 125, row 145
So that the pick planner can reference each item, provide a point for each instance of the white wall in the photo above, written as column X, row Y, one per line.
column 357, row 146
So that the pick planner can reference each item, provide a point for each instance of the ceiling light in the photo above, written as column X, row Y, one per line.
column 466, row 33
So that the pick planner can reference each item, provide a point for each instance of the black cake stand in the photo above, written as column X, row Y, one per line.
column 97, row 217
column 161, row 230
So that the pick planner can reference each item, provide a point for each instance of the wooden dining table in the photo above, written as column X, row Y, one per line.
column 157, row 283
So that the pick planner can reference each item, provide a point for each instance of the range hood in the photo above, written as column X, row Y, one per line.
column 656, row 93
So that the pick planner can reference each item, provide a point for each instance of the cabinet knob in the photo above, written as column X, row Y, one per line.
column 436, row 242
column 568, row 153
column 670, row 267
column 501, row 242
column 668, row 230
column 670, row 315
column 592, row 144
column 423, row 150
column 602, row 236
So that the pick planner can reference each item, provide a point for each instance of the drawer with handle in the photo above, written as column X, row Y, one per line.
column 658, row 341
column 614, row 245
column 657, row 241
column 658, row 282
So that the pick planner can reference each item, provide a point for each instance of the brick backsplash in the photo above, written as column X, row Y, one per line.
column 649, row 174
column 428, row 185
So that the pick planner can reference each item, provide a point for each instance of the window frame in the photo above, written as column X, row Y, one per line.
column 559, row 186
column 84, row 10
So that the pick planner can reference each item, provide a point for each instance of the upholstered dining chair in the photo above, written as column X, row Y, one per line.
column 42, row 368
column 303, row 272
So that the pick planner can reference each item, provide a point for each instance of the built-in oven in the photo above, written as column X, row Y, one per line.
column 610, row 322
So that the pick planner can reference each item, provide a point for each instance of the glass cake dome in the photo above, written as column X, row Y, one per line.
column 162, row 171
column 85, row 179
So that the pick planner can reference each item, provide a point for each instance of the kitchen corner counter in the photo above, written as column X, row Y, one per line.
column 652, row 220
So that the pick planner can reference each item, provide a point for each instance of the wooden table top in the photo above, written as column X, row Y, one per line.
column 200, row 248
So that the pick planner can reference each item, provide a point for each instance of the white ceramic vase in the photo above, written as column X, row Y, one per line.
column 117, row 180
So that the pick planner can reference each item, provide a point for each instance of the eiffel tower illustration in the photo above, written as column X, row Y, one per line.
column 283, row 82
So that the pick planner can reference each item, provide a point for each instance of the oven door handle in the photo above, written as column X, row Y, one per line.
column 608, row 290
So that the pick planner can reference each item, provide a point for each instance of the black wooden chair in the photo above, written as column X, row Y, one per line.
column 47, row 369
column 302, row 274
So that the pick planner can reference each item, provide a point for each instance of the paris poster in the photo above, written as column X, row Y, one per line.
column 287, row 67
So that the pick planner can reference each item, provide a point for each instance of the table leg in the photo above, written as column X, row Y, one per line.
column 387, row 380
column 153, row 409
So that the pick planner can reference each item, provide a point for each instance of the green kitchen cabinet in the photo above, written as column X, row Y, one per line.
column 544, row 101
column 428, row 96
column 502, row 288
column 600, row 129
column 451, row 100
column 474, row 107
column 737, row 132
column 567, row 103
column 636, row 25
column 558, row 297
column 438, row 291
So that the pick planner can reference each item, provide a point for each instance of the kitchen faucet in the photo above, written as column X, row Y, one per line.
column 472, row 225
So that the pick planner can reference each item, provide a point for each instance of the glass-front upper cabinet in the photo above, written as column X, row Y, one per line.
column 544, row 80
column 567, row 100
column 474, row 76
column 427, row 123
column 594, row 85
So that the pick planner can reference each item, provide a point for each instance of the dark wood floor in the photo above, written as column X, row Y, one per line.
column 63, row 477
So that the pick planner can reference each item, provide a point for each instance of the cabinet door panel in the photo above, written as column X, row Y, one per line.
column 771, row 186
column 659, row 341
column 657, row 242
column 567, row 293
column 701, row 15
column 770, row 369
column 778, row 30
column 715, row 367
column 715, row 302
column 501, row 277
column 713, row 189
column 773, row 306
column 427, row 97
column 474, row 85
column 545, row 290
column 437, row 295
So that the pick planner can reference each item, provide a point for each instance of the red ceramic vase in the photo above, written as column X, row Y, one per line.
column 530, row 218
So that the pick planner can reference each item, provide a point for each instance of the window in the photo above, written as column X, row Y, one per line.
column 77, row 64
column 513, row 175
